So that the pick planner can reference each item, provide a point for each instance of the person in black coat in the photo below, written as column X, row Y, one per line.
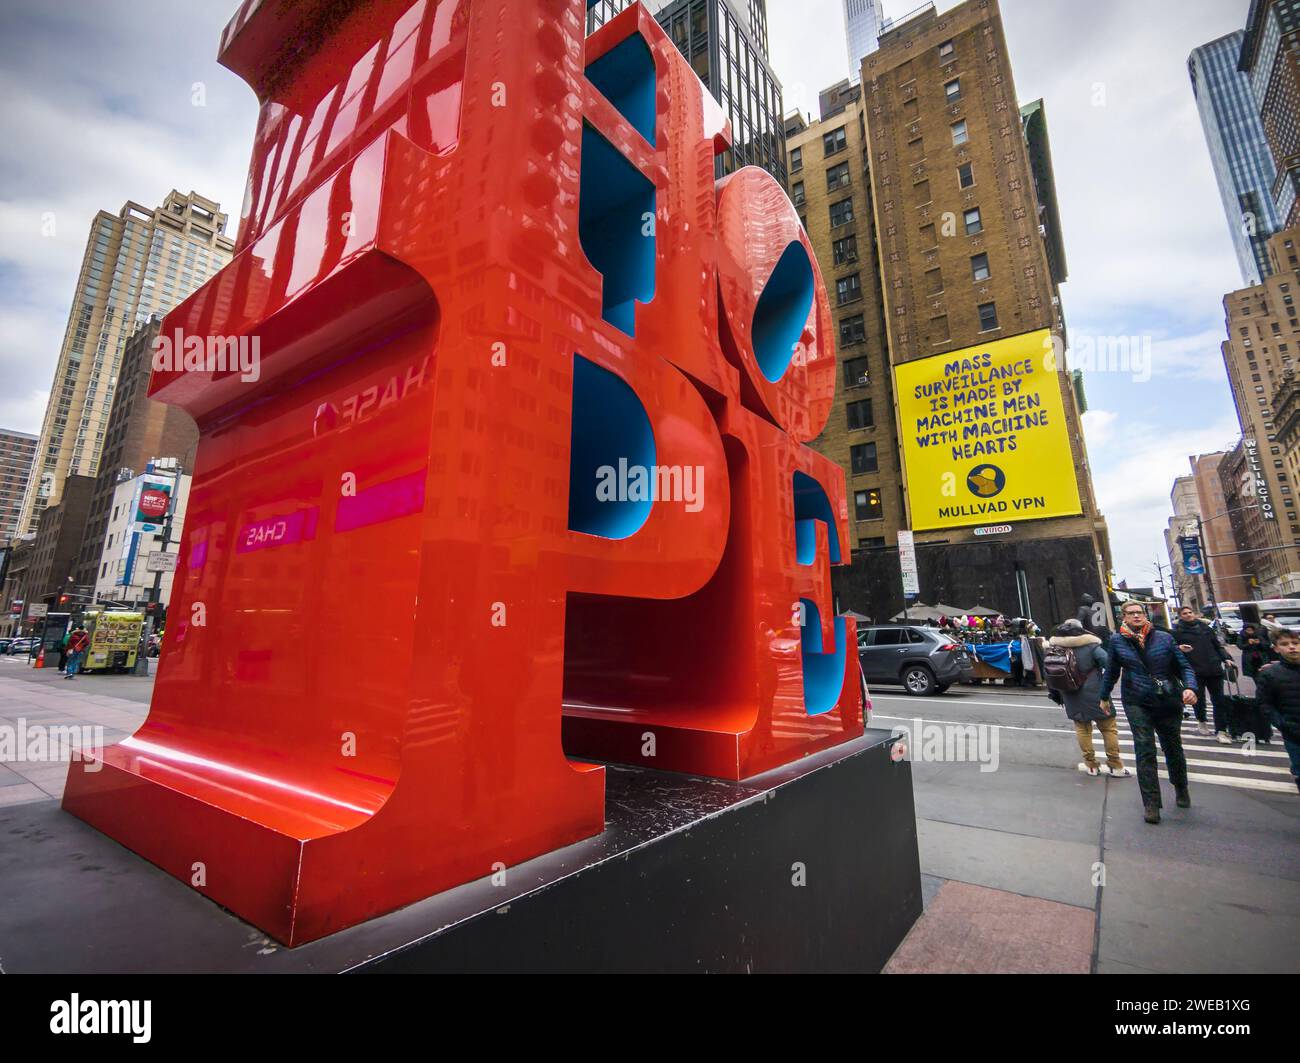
column 1152, row 666
column 1088, row 619
column 1255, row 649
column 1207, row 655
column 1278, row 689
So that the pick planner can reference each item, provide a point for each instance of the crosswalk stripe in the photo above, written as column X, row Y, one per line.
column 1245, row 784
column 1259, row 770
column 1242, row 764
column 1192, row 762
column 1217, row 749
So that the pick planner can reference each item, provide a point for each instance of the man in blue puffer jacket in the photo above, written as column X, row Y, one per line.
column 1152, row 667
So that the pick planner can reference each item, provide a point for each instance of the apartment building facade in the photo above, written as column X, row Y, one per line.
column 1263, row 325
column 960, row 244
column 139, row 262
column 17, row 454
column 1187, row 587
column 1223, row 562
column 139, row 432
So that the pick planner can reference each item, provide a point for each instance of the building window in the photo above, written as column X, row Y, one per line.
column 946, row 50
column 848, row 289
column 966, row 176
column 959, row 134
column 974, row 223
column 845, row 250
column 841, row 212
column 856, row 374
column 853, row 330
column 953, row 90
column 988, row 317
column 868, row 505
column 837, row 177
column 979, row 268
column 859, row 415
column 796, row 160
column 798, row 193
column 934, row 281
column 834, row 141
column 863, row 459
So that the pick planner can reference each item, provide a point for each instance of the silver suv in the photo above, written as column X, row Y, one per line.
column 922, row 659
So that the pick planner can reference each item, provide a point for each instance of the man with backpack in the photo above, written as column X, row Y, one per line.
column 1073, row 665
column 1201, row 646
column 1157, row 682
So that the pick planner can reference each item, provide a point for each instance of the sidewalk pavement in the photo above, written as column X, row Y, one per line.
column 41, row 697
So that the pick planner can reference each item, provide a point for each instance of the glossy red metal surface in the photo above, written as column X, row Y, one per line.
column 393, row 649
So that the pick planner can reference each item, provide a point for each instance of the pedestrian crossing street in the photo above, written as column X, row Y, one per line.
column 1267, row 768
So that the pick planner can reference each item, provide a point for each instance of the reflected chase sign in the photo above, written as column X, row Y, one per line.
column 984, row 435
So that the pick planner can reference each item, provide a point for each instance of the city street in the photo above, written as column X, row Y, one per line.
column 1012, row 859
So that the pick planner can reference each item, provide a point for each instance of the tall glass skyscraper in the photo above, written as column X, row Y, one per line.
column 1242, row 161
column 1270, row 59
column 861, row 27
column 726, row 43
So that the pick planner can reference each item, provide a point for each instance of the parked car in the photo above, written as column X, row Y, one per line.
column 23, row 645
column 921, row 659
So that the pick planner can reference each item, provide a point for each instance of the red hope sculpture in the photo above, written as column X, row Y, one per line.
column 495, row 291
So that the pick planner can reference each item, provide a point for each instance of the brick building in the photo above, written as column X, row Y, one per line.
column 1263, row 328
column 929, row 195
column 1218, row 543
column 58, row 543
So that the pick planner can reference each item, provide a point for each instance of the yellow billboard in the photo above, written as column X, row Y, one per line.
column 984, row 435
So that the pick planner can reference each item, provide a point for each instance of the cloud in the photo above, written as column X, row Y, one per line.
column 1097, row 426
column 1134, row 471
column 88, row 124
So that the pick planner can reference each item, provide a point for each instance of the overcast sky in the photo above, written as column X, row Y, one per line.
column 100, row 108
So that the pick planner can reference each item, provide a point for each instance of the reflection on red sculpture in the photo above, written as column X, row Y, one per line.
column 520, row 484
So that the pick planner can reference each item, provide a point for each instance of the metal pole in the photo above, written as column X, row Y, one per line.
column 142, row 654
column 1209, row 578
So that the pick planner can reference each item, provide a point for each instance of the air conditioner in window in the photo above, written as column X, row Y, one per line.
column 864, row 379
